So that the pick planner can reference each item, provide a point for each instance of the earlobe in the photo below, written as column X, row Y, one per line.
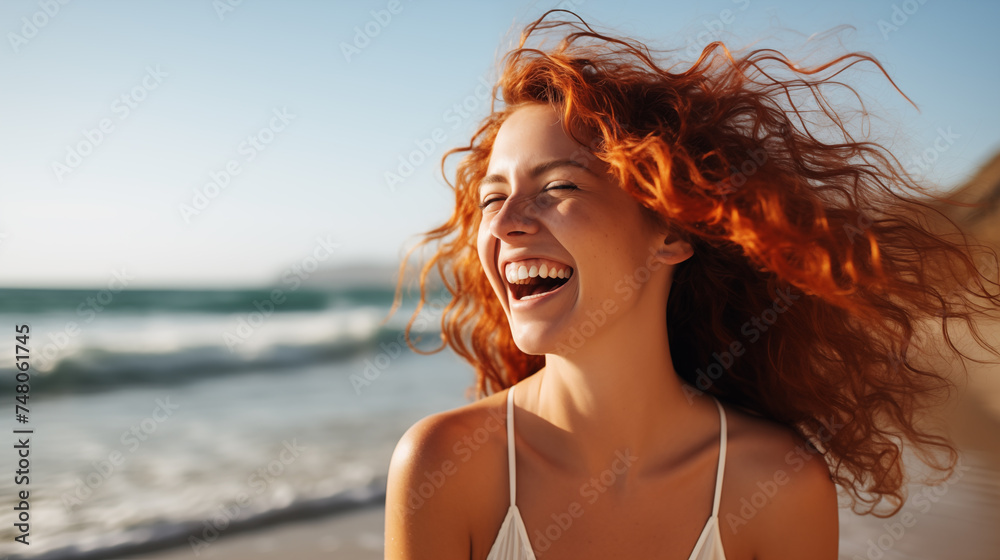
column 673, row 250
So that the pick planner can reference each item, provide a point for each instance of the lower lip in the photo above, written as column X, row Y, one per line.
column 536, row 300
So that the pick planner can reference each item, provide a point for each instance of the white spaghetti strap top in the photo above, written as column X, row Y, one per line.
column 512, row 540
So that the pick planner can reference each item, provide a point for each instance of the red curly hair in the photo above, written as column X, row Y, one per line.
column 724, row 153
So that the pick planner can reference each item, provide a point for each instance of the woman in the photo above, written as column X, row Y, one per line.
column 690, row 317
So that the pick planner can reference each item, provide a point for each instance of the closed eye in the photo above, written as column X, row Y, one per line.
column 487, row 202
column 560, row 186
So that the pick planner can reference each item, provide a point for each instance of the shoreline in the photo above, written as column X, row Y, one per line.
column 351, row 509
column 352, row 526
column 355, row 534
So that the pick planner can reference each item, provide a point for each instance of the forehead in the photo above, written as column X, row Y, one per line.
column 530, row 134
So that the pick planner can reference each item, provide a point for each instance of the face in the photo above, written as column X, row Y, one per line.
column 559, row 239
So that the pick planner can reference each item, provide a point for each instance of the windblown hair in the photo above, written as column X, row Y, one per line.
column 725, row 154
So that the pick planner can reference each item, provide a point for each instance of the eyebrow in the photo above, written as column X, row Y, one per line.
column 537, row 170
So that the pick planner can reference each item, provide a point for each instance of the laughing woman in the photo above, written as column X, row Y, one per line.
column 691, row 318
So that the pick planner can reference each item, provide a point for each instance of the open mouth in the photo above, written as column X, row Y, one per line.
column 531, row 280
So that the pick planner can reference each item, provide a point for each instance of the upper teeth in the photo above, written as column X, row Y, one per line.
column 519, row 273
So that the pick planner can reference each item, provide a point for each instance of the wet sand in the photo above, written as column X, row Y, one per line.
column 354, row 535
column 957, row 520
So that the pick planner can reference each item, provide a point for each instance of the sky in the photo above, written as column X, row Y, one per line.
column 215, row 143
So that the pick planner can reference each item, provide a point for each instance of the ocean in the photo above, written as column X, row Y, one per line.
column 173, row 417
column 159, row 416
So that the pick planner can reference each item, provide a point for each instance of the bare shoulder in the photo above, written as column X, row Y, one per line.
column 441, row 480
column 778, row 494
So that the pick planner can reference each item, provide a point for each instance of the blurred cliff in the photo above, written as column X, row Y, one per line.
column 973, row 416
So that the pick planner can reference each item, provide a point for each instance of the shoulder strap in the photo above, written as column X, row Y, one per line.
column 722, row 459
column 510, row 444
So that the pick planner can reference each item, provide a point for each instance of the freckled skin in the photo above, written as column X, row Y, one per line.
column 596, row 228
column 447, row 498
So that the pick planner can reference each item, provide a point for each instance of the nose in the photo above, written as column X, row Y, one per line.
column 517, row 216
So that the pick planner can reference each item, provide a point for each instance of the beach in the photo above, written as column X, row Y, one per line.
column 958, row 519
column 177, row 413
column 960, row 524
column 145, row 438
column 357, row 535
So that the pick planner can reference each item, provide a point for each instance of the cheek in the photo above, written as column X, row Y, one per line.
column 609, row 249
column 485, row 247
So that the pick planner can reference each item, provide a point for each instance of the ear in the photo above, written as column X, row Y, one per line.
column 673, row 250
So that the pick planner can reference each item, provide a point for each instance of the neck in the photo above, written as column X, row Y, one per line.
column 616, row 394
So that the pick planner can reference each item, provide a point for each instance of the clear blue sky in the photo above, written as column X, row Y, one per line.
column 198, row 80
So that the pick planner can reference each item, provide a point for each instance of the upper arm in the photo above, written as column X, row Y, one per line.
column 802, row 519
column 424, row 515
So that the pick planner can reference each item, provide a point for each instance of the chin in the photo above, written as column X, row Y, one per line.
column 535, row 341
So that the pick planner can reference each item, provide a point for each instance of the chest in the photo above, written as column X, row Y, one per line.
column 596, row 520
column 610, row 515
